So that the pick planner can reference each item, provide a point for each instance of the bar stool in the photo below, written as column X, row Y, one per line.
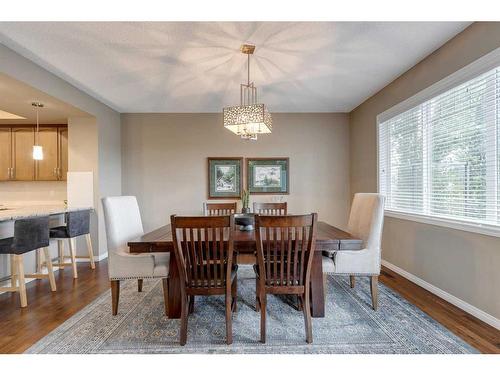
column 29, row 234
column 77, row 224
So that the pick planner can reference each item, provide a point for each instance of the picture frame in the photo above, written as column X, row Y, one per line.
column 225, row 177
column 268, row 175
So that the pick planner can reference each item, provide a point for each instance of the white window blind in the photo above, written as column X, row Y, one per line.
column 441, row 157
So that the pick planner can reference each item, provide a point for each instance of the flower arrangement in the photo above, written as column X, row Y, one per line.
column 245, row 200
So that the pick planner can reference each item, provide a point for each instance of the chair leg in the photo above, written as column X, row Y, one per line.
column 352, row 281
column 263, row 304
column 184, row 321
column 90, row 250
column 229, row 319
column 374, row 291
column 13, row 271
column 307, row 316
column 22, row 282
column 139, row 285
column 72, row 251
column 165, row 294
column 234, row 294
column 38, row 261
column 50, row 270
column 257, row 293
column 115, row 296
column 191, row 305
column 60, row 253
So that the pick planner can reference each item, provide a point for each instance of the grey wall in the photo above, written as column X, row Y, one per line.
column 461, row 263
column 165, row 166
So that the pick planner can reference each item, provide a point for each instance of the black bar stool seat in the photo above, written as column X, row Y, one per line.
column 77, row 224
column 29, row 235
column 7, row 246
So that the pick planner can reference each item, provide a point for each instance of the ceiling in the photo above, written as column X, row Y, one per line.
column 16, row 98
column 197, row 66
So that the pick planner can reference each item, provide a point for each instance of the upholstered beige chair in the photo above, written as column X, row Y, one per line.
column 365, row 222
column 123, row 223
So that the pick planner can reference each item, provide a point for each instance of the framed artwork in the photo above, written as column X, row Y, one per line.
column 224, row 177
column 268, row 175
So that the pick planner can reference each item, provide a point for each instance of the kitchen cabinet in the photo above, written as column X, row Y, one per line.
column 63, row 154
column 5, row 153
column 16, row 153
column 48, row 168
column 23, row 165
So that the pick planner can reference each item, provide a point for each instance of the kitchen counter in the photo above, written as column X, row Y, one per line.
column 9, row 213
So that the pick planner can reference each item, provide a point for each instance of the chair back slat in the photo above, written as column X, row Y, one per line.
column 219, row 209
column 204, row 247
column 270, row 208
column 285, row 248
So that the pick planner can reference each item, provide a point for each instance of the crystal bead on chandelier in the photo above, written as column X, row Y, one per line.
column 250, row 118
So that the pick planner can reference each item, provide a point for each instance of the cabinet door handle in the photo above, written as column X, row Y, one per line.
column 13, row 173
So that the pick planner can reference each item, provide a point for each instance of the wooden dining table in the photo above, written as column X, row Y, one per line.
column 328, row 238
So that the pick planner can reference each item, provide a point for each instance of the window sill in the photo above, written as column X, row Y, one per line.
column 486, row 229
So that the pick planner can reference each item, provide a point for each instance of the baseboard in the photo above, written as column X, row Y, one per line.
column 474, row 311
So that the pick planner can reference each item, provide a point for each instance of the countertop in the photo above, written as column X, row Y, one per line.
column 8, row 213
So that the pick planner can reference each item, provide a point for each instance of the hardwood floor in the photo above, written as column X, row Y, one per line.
column 21, row 328
column 478, row 334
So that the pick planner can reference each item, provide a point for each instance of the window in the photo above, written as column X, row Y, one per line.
column 440, row 158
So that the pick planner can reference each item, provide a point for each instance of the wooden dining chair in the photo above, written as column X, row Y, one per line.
column 218, row 209
column 204, row 250
column 270, row 208
column 285, row 250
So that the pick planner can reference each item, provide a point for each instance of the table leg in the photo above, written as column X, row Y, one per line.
column 317, row 291
column 174, row 289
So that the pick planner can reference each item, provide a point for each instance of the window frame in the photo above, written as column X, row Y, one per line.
column 482, row 65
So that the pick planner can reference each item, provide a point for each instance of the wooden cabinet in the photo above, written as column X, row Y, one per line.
column 5, row 153
column 63, row 154
column 16, row 153
column 48, row 168
column 23, row 165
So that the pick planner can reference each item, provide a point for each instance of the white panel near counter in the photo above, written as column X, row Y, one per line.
column 80, row 189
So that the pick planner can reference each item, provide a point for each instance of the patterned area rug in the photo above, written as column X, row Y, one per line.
column 350, row 325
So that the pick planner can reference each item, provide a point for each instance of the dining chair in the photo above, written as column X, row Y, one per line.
column 285, row 250
column 123, row 223
column 270, row 208
column 77, row 224
column 29, row 235
column 204, row 250
column 217, row 209
column 366, row 222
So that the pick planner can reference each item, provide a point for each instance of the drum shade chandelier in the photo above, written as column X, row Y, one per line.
column 250, row 118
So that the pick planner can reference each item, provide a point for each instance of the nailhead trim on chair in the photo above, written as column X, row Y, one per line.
column 137, row 277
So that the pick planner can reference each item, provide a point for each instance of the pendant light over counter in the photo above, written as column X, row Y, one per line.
column 37, row 149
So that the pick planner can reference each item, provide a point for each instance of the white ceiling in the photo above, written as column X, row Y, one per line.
column 197, row 67
column 16, row 98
